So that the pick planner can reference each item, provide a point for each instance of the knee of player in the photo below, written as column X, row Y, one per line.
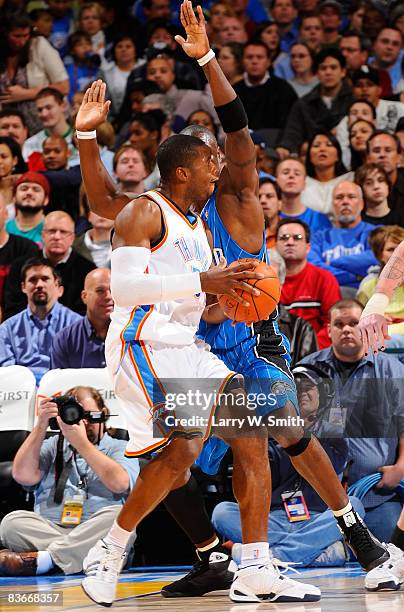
column 182, row 455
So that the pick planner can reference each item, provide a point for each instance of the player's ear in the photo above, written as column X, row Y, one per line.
column 182, row 174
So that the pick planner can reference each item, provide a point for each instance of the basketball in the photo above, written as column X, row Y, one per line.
column 261, row 306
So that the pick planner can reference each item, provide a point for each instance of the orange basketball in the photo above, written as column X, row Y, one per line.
column 261, row 306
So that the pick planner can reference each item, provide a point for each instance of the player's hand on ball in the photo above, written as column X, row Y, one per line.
column 94, row 109
column 219, row 280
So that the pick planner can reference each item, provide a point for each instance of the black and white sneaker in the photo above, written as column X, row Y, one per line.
column 367, row 549
column 213, row 574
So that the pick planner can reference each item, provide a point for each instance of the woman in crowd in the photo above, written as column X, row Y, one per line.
column 130, row 169
column 268, row 33
column 325, row 170
column 91, row 21
column 116, row 75
column 145, row 135
column 376, row 186
column 201, row 117
column 82, row 64
column 27, row 64
column 301, row 61
column 230, row 59
column 359, row 133
column 217, row 12
column 358, row 109
column 12, row 165
column 383, row 241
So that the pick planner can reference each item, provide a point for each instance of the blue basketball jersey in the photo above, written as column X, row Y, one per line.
column 225, row 335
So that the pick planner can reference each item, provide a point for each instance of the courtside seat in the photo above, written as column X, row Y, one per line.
column 57, row 382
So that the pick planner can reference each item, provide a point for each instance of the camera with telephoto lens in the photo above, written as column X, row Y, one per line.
column 72, row 412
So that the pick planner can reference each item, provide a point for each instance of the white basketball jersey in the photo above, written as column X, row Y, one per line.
column 184, row 248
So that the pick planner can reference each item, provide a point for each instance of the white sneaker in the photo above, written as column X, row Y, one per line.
column 265, row 583
column 389, row 575
column 102, row 567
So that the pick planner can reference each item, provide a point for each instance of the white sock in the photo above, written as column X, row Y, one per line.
column 256, row 553
column 338, row 513
column 117, row 536
column 44, row 562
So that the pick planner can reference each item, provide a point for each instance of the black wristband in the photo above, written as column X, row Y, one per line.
column 232, row 116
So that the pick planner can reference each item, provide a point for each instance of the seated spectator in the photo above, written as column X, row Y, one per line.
column 82, row 65
column 160, row 102
column 311, row 31
column 267, row 99
column 270, row 199
column 136, row 91
column 321, row 109
column 359, row 133
column 233, row 30
column 383, row 241
column 291, row 178
column 41, row 17
column 95, row 244
column 315, row 539
column 51, row 109
column 161, row 70
column 387, row 53
column 230, row 58
column 355, row 48
column 82, row 344
column 116, row 75
column 64, row 182
column 62, row 24
column 302, row 59
column 384, row 149
column 31, row 197
column 330, row 13
column 268, row 32
column 12, row 124
column 25, row 338
column 201, row 117
column 358, row 109
column 58, row 237
column 130, row 169
column 375, row 184
column 49, row 538
column 217, row 12
column 308, row 291
column 29, row 63
column 12, row 247
column 284, row 13
column 367, row 412
column 325, row 170
column 12, row 165
column 145, row 135
column 91, row 21
column 374, row 19
column 344, row 249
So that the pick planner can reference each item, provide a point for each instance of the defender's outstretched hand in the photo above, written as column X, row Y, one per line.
column 94, row 109
column 197, row 42
column 374, row 332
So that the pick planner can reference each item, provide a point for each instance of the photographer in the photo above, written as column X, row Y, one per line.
column 80, row 480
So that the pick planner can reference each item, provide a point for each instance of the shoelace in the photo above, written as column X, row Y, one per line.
column 106, row 567
column 360, row 538
column 285, row 565
column 196, row 569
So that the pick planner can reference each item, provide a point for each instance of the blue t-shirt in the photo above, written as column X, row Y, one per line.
column 314, row 219
column 34, row 234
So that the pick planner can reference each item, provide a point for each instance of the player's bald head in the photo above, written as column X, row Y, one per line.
column 201, row 132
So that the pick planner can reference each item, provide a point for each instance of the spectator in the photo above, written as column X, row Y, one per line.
column 51, row 111
column 358, row 109
column 230, row 58
column 217, row 12
column 233, row 30
column 384, row 149
column 145, row 135
column 344, row 249
column 330, row 12
column 41, row 17
column 12, row 165
column 315, row 541
column 270, row 200
column 29, row 63
column 162, row 103
column 91, row 21
column 397, row 17
column 63, row 24
column 266, row 99
column 366, row 86
column 58, row 237
column 129, row 168
column 31, row 197
column 268, row 33
column 383, row 241
column 376, row 186
column 400, row 135
column 64, row 182
column 359, row 133
column 325, row 170
column 12, row 247
column 323, row 107
column 367, row 411
column 82, row 64
column 116, row 75
column 82, row 344
column 284, row 14
column 354, row 47
column 136, row 91
column 95, row 244
column 311, row 31
column 387, row 50
column 12, row 124
column 355, row 13
column 291, row 178
column 374, row 20
column 308, row 291
column 25, row 338
column 201, row 117
column 48, row 538
column 302, row 61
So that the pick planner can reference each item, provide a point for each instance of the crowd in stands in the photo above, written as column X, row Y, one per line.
column 322, row 83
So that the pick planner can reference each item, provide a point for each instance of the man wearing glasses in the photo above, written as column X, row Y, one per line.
column 58, row 236
column 308, row 291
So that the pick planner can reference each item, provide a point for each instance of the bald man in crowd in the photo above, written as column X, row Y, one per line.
column 58, row 236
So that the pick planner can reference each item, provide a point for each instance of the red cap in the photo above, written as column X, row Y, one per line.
column 34, row 177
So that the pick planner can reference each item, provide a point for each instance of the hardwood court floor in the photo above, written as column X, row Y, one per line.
column 342, row 590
